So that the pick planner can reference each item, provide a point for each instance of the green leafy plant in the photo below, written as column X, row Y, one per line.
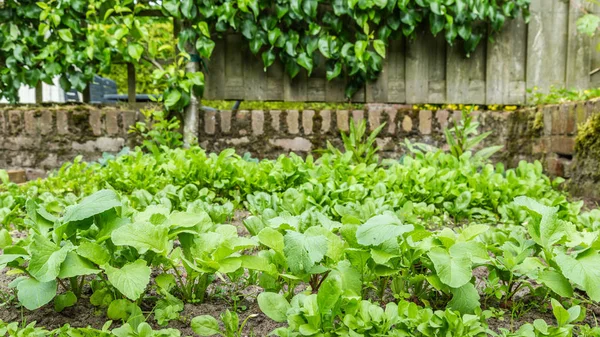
column 158, row 130
column 357, row 144
column 206, row 325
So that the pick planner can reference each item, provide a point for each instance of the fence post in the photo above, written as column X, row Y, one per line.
column 131, row 89
column 39, row 93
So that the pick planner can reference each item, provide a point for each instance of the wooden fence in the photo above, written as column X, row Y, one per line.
column 546, row 52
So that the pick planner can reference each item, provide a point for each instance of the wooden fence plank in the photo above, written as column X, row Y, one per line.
column 547, row 44
column 389, row 86
column 317, row 82
column 275, row 78
column 234, row 67
column 396, row 88
column 505, row 65
column 465, row 75
column 426, row 69
column 595, row 58
column 546, row 52
column 215, row 77
column 255, row 78
column 296, row 89
column 579, row 53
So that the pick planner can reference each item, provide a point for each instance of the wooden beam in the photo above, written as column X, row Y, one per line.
column 39, row 93
column 86, row 95
column 131, row 90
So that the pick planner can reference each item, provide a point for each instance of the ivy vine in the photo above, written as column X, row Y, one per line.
column 74, row 39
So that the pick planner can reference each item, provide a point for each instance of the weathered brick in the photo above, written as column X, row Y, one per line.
column 407, row 123
column 15, row 120
column 547, row 111
column 571, row 119
column 442, row 118
column 258, row 121
column 358, row 116
column 374, row 117
column 275, row 119
column 112, row 122
column 391, row 113
column 108, row 144
column 96, row 122
column 241, row 121
column 225, row 120
column 556, row 122
column 17, row 176
column 307, row 121
column 210, row 122
column 325, row 120
column 2, row 123
column 342, row 120
column 47, row 122
column 292, row 121
column 62, row 122
column 425, row 122
column 30, row 122
column 129, row 119
column 555, row 166
column 296, row 144
column 562, row 145
column 51, row 161
column 580, row 116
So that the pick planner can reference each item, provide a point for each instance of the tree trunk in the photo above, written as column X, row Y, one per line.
column 191, row 116
column 191, row 112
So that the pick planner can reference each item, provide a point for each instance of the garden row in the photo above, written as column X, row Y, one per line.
column 343, row 245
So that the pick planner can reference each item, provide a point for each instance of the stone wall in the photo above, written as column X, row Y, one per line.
column 43, row 137
column 40, row 138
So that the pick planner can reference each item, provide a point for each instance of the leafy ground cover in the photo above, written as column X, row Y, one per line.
column 181, row 242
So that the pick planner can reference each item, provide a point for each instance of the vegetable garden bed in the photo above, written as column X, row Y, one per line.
column 181, row 242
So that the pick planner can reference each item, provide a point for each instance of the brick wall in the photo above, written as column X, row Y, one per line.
column 40, row 138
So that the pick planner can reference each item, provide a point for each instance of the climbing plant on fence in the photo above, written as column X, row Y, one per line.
column 74, row 39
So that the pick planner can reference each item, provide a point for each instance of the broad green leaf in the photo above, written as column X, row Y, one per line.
column 588, row 24
column 556, row 282
column 379, row 47
column 143, row 236
column 545, row 228
column 122, row 309
column 464, row 299
column 330, row 293
column 65, row 300
column 452, row 271
column 272, row 239
column 306, row 62
column 5, row 238
column 275, row 306
column 75, row 265
column 172, row 98
column 135, row 51
column 584, row 271
column 46, row 258
column 303, row 251
column 205, row 325
column 94, row 204
column 463, row 201
column 560, row 313
column 65, row 35
column 34, row 294
column 131, row 280
column 381, row 228
column 94, row 252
